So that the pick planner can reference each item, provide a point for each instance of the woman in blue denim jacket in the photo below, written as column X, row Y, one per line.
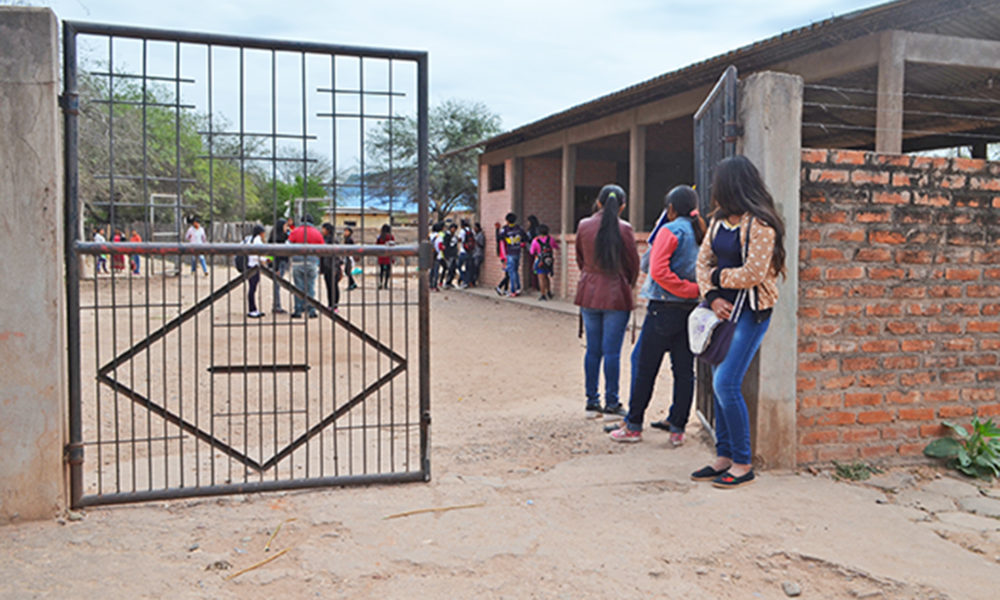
column 672, row 293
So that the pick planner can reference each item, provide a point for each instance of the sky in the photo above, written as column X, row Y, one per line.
column 524, row 59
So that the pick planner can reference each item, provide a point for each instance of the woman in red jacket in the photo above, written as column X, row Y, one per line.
column 609, row 266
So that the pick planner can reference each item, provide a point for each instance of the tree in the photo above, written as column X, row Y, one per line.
column 454, row 127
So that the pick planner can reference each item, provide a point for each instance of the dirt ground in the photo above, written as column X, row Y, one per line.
column 531, row 500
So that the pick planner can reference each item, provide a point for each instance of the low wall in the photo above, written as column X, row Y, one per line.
column 899, row 301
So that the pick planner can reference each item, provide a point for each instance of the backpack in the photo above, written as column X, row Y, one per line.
column 546, row 257
column 240, row 260
column 450, row 243
column 469, row 241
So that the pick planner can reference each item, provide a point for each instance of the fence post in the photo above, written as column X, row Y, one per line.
column 32, row 322
column 771, row 114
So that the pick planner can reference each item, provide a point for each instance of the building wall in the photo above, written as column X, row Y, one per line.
column 899, row 301
column 493, row 206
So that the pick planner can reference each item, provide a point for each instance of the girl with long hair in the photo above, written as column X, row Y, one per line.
column 738, row 267
column 609, row 266
column 672, row 293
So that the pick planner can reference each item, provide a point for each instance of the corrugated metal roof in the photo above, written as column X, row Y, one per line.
column 962, row 18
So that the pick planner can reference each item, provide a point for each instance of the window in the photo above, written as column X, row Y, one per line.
column 497, row 177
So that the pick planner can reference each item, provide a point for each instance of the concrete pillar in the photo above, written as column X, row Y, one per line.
column 567, row 202
column 889, row 109
column 32, row 322
column 637, row 177
column 771, row 114
column 517, row 187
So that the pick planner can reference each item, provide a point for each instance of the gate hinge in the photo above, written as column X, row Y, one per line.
column 73, row 454
column 732, row 131
column 70, row 103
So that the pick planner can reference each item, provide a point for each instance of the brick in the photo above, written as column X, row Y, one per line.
column 910, row 397
column 936, row 430
column 941, row 396
column 875, row 416
column 880, row 346
column 858, row 364
column 959, row 345
column 825, row 291
column 813, row 156
column 819, row 175
column 920, row 257
column 983, row 291
column 983, row 326
column 986, row 257
column 838, row 216
column 893, row 160
column 855, row 436
column 838, row 273
column 979, row 394
column 804, row 456
column 832, row 254
column 917, row 345
column 901, row 362
column 810, row 235
column 870, row 177
column 849, row 236
column 984, row 183
column 819, row 329
column 945, row 291
column 953, row 377
column 804, row 422
column 968, row 165
column 941, row 362
column 878, row 451
column 913, row 292
column 902, row 432
column 934, row 200
column 862, row 399
column 873, row 255
column 940, row 327
column 848, row 157
column 991, row 274
column 960, row 308
column 810, row 274
column 953, row 182
column 863, row 329
column 818, row 437
column 894, row 198
column 871, row 217
column 805, row 384
column 980, row 360
column 880, row 273
column 989, row 344
column 887, row 237
column 990, row 410
column 988, row 375
column 879, row 380
column 837, row 347
column 869, row 290
column 962, row 274
column 916, row 414
column 839, row 383
column 808, row 312
column 991, row 310
column 950, row 412
column 900, row 180
column 903, row 327
column 818, row 365
column 927, row 163
column 842, row 453
column 913, row 379
column 822, row 401
column 808, row 348
column 911, row 449
column 831, row 309
column 836, row 418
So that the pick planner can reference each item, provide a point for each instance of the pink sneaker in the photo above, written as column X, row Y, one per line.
column 623, row 434
column 676, row 439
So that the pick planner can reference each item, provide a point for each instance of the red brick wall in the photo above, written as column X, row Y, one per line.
column 493, row 206
column 543, row 191
column 899, row 301
column 573, row 273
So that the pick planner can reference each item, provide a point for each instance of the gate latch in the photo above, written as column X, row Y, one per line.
column 70, row 103
column 732, row 131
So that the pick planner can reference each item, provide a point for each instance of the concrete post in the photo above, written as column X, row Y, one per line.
column 32, row 322
column 637, row 177
column 567, row 203
column 889, row 108
column 771, row 114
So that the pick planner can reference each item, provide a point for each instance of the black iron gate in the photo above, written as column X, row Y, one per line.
column 716, row 131
column 306, row 366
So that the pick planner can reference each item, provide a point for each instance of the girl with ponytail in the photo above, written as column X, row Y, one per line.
column 609, row 266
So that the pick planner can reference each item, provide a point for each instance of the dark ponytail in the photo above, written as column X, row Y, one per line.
column 685, row 202
column 608, row 243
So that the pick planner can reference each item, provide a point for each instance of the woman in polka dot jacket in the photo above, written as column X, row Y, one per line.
column 743, row 250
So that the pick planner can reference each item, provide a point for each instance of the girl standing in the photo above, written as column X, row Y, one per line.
column 543, row 248
column 385, row 237
column 256, row 238
column 609, row 266
column 738, row 267
column 672, row 293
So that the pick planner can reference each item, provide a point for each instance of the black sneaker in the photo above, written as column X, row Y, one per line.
column 594, row 411
column 614, row 413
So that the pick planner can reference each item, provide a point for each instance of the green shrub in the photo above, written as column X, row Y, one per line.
column 977, row 454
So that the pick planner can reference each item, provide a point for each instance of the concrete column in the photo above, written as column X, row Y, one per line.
column 32, row 322
column 637, row 177
column 889, row 110
column 771, row 114
column 567, row 201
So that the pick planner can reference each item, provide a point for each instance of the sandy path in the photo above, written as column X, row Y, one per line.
column 557, row 510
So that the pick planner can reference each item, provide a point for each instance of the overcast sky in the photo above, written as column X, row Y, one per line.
column 525, row 59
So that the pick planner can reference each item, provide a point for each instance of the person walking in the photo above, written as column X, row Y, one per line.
column 305, row 268
column 672, row 293
column 256, row 238
column 738, row 267
column 195, row 234
column 385, row 238
column 609, row 266
column 349, row 260
column 478, row 254
column 278, row 235
column 101, row 265
column 135, row 238
column 329, row 267
column 543, row 248
column 512, row 238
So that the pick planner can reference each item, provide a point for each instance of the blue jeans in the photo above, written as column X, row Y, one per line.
column 280, row 268
column 304, row 270
column 194, row 263
column 664, row 330
column 605, row 334
column 732, row 421
column 513, row 266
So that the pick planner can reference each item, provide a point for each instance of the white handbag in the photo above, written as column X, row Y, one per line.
column 701, row 323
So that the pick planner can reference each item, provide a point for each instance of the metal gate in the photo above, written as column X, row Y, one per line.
column 715, row 133
column 186, row 378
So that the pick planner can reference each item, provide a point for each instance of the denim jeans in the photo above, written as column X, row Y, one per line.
column 664, row 330
column 732, row 421
column 252, row 292
column 605, row 333
column 280, row 268
column 304, row 270
column 513, row 266
column 198, row 259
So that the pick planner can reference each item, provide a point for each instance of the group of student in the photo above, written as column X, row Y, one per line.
column 117, row 260
column 512, row 241
column 459, row 251
column 731, row 265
